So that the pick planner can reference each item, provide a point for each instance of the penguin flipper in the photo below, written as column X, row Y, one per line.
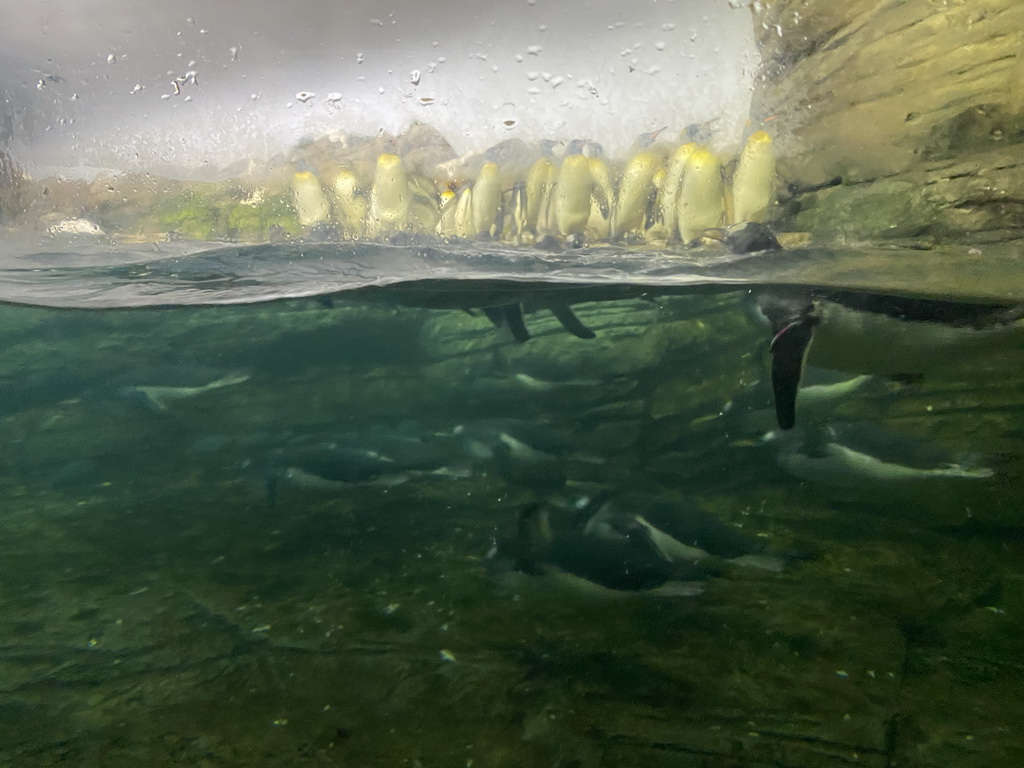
column 789, row 349
column 571, row 323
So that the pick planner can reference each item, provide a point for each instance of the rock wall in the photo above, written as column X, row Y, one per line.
column 896, row 118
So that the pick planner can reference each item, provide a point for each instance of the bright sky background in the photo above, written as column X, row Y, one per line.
column 84, row 81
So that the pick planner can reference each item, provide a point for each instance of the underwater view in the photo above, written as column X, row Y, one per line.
column 547, row 386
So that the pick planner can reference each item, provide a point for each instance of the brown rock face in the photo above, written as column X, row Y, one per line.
column 925, row 94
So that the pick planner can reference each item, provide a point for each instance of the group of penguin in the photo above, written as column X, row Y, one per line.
column 665, row 193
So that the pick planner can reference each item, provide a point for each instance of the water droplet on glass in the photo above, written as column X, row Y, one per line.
column 542, row 27
column 557, row 81
column 660, row 45
column 532, row 75
column 426, row 100
column 533, row 90
column 333, row 97
column 304, row 96
column 510, row 123
column 137, row 88
column 668, row 27
column 233, row 50
column 519, row 58
column 254, row 96
column 380, row 89
column 359, row 58
column 111, row 58
column 376, row 22
column 414, row 77
column 533, row 50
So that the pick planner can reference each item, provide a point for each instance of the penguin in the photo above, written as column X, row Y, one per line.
column 830, row 455
column 609, row 544
column 745, row 237
column 701, row 133
column 446, row 217
column 878, row 334
column 539, row 180
column 424, row 208
column 636, row 195
column 173, row 387
column 680, row 530
column 463, row 217
column 601, row 200
column 379, row 456
column 753, row 183
column 517, row 227
column 701, row 201
column 349, row 206
column 389, row 197
column 308, row 198
column 486, row 203
column 669, row 192
column 572, row 196
column 549, row 541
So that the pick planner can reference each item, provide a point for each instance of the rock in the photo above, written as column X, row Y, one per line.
column 884, row 94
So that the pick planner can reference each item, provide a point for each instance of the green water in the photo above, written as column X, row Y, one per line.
column 157, row 610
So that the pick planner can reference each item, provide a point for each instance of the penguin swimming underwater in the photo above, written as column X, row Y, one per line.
column 551, row 542
column 611, row 547
column 852, row 455
column 877, row 334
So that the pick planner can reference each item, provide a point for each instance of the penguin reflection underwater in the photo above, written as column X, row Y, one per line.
column 627, row 543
